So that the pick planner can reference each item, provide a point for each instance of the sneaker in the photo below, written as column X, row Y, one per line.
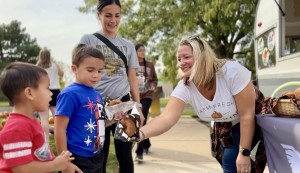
column 139, row 158
column 146, row 151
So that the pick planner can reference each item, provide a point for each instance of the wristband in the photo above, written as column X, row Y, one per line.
column 141, row 137
column 139, row 105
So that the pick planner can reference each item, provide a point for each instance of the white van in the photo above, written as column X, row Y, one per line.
column 277, row 43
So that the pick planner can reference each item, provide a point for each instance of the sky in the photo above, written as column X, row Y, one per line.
column 56, row 24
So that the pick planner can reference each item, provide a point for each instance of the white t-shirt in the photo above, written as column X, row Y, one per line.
column 53, row 76
column 231, row 79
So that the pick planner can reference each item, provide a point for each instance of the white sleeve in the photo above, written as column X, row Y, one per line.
column 181, row 92
column 237, row 76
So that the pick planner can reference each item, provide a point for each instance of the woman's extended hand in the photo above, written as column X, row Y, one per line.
column 243, row 164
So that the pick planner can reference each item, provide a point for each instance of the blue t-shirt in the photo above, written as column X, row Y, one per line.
column 86, row 129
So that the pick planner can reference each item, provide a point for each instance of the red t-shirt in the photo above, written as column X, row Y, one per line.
column 22, row 140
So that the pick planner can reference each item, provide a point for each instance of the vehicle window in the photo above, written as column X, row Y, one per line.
column 291, row 27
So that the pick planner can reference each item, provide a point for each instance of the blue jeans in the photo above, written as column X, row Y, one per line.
column 229, row 154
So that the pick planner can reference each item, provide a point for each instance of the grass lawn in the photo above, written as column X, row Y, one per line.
column 163, row 102
column 4, row 104
column 189, row 112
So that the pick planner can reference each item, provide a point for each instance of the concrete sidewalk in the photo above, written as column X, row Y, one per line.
column 183, row 149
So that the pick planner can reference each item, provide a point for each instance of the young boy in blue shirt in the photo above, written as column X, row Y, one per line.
column 79, row 119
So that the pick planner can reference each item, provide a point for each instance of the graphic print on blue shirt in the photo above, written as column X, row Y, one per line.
column 86, row 128
column 96, row 109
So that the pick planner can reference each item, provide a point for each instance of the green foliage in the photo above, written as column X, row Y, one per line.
column 89, row 6
column 16, row 44
column 161, row 23
column 246, row 55
column 3, row 98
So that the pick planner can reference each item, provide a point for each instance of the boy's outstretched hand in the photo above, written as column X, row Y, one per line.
column 62, row 162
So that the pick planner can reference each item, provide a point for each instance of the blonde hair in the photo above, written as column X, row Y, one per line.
column 206, row 63
column 44, row 58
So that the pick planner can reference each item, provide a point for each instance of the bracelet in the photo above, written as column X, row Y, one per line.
column 139, row 105
column 142, row 137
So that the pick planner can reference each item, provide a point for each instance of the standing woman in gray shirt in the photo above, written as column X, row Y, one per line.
column 116, row 82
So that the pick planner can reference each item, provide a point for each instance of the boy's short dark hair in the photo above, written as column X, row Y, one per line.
column 17, row 76
column 82, row 51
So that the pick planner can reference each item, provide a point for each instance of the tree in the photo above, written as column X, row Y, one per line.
column 16, row 44
column 246, row 54
column 160, row 23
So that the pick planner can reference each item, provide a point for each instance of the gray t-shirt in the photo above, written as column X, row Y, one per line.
column 114, row 82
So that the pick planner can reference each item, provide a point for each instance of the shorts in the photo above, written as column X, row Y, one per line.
column 55, row 93
column 89, row 164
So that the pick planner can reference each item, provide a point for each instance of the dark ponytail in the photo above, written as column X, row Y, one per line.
column 103, row 3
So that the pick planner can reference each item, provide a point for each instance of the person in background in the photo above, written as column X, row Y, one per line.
column 117, row 82
column 79, row 119
column 219, row 90
column 23, row 147
column 147, row 79
column 54, row 73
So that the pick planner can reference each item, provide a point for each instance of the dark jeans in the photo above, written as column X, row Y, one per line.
column 123, row 149
column 89, row 164
column 146, row 103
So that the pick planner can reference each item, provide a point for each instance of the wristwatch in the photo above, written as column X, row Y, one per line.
column 245, row 151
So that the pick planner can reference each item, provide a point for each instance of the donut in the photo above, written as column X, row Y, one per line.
column 51, row 120
column 128, row 125
column 297, row 93
column 290, row 94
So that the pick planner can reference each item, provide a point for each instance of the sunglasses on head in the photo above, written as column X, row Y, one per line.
column 198, row 39
column 193, row 37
